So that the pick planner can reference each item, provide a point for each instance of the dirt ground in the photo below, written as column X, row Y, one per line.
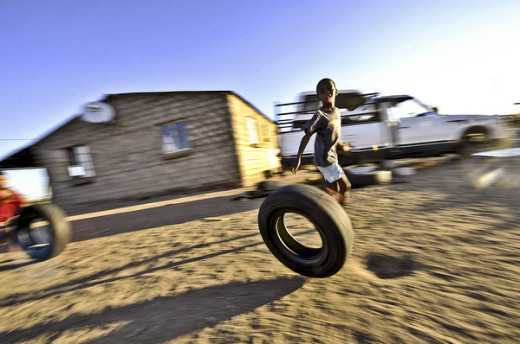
column 436, row 260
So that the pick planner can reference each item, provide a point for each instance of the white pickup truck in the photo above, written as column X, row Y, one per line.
column 387, row 127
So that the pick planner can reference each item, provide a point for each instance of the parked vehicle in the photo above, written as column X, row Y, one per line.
column 388, row 127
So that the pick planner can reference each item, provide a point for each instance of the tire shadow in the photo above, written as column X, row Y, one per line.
column 110, row 275
column 168, row 317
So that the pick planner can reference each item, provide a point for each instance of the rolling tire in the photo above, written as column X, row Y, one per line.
column 42, row 231
column 327, row 217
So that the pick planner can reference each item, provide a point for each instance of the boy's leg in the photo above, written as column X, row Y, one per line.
column 338, row 184
column 4, row 235
column 344, row 187
column 339, row 189
column 331, row 190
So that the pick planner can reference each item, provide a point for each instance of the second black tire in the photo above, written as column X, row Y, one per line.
column 42, row 230
column 326, row 215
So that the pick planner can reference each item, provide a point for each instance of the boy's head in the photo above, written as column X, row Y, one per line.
column 325, row 82
column 327, row 92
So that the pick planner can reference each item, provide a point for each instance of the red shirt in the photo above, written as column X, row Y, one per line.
column 9, row 206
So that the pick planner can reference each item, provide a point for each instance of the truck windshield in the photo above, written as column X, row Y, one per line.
column 408, row 108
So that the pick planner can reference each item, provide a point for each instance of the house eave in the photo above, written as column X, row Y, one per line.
column 21, row 159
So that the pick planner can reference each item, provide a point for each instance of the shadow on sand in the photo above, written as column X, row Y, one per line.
column 104, row 276
column 167, row 317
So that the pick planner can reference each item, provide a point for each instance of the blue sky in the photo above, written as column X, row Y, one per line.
column 461, row 56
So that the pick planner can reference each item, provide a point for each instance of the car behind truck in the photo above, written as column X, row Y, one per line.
column 388, row 127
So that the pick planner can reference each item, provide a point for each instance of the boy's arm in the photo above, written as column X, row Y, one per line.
column 303, row 144
column 345, row 146
column 13, row 197
column 5, row 195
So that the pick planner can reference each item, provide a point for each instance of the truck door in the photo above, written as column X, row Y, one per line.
column 415, row 123
column 364, row 129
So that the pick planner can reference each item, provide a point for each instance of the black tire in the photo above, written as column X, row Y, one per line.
column 327, row 217
column 42, row 230
column 358, row 180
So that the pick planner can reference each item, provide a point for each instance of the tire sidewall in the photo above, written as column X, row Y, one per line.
column 328, row 217
column 60, row 231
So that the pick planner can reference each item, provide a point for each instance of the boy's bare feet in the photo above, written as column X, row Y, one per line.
column 337, row 196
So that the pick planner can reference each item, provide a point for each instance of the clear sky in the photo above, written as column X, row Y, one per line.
column 56, row 55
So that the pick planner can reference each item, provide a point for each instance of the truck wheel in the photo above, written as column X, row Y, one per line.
column 42, row 231
column 473, row 141
column 306, row 229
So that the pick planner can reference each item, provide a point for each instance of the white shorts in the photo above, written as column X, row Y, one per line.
column 332, row 172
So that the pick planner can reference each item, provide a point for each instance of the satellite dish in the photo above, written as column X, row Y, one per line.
column 98, row 112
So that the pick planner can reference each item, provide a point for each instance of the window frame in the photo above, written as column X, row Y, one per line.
column 80, row 159
column 182, row 141
column 252, row 130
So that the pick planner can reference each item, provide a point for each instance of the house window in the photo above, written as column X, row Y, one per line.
column 81, row 164
column 266, row 137
column 174, row 137
column 251, row 127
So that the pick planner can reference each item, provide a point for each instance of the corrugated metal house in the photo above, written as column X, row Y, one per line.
column 145, row 144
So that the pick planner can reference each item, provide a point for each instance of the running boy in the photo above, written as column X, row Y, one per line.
column 326, row 123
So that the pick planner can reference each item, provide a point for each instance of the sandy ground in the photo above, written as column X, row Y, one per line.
column 436, row 260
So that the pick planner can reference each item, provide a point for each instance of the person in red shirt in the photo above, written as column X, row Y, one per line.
column 10, row 201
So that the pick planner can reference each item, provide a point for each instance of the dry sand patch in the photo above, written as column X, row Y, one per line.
column 435, row 261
